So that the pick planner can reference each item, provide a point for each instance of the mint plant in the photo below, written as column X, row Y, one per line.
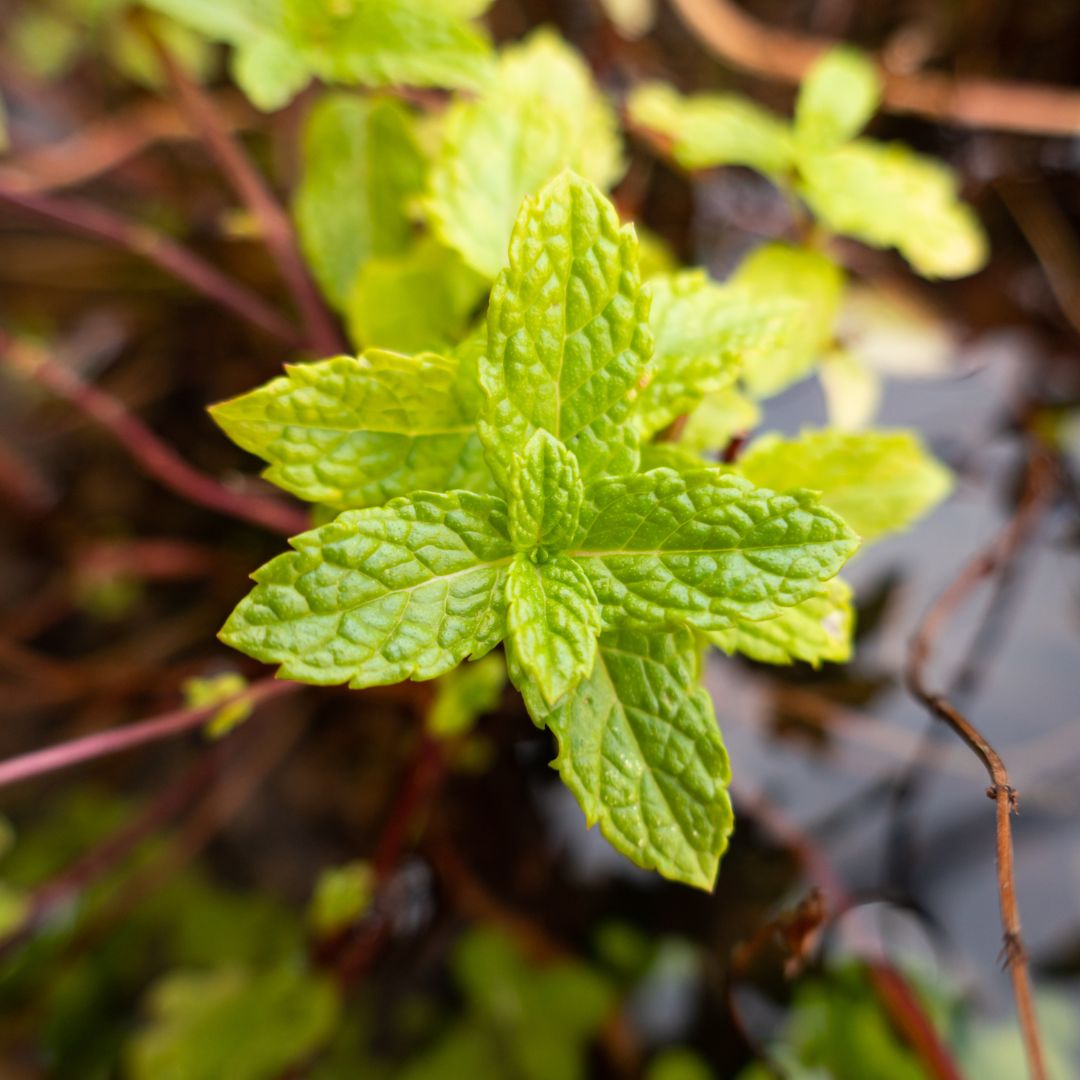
column 600, row 579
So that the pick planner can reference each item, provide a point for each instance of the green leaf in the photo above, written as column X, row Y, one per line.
column 388, row 42
column 836, row 100
column 545, row 495
column 889, row 196
column 421, row 300
column 878, row 481
column 540, row 114
column 640, row 749
column 352, row 432
column 269, row 71
column 705, row 548
column 818, row 629
column 362, row 165
column 342, row 895
column 719, row 418
column 463, row 695
column 552, row 622
column 568, row 338
column 404, row 591
column 813, row 287
column 713, row 129
column 216, row 690
column 703, row 332
column 243, row 1025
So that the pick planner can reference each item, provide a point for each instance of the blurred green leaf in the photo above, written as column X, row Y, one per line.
column 211, row 691
column 852, row 390
column 463, row 695
column 836, row 99
column 342, row 895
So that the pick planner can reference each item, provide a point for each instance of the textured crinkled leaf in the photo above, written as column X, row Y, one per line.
column 836, row 99
column 540, row 114
column 718, row 419
column 413, row 302
column 552, row 622
column 545, row 495
column 352, row 432
column 713, row 129
column 703, row 331
column 362, row 165
column 813, row 285
column 388, row 42
column 403, row 591
column 817, row 630
column 852, row 390
column 568, row 338
column 878, row 481
column 639, row 747
column 244, row 1025
column 704, row 548
column 889, row 196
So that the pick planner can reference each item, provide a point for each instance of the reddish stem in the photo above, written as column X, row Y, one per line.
column 159, row 249
column 152, row 455
column 277, row 229
column 117, row 740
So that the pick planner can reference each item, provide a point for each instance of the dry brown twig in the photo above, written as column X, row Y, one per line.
column 774, row 53
column 1039, row 486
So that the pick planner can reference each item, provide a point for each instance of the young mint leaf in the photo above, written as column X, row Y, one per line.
column 704, row 548
column 670, row 455
column 568, row 338
column 879, row 481
column 244, row 1025
column 552, row 622
column 889, row 196
column 545, row 495
column 639, row 747
column 388, row 42
column 836, row 99
column 541, row 113
column 703, row 331
column 403, row 591
column 852, row 390
column 713, row 129
column 362, row 165
column 818, row 629
column 463, row 695
column 382, row 310
column 352, row 432
column 813, row 285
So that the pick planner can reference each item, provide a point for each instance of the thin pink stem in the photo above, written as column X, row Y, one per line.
column 162, row 251
column 276, row 226
column 117, row 740
column 152, row 455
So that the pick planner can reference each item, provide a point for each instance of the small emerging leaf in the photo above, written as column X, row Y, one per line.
column 879, row 481
column 404, row 591
column 541, row 113
column 836, row 99
column 813, row 285
column 342, row 895
column 552, row 622
column 352, row 432
column 545, row 495
column 704, row 548
column 852, row 390
column 465, row 694
column 817, row 630
column 713, row 129
column 568, row 339
column 718, row 419
column 216, row 690
column 639, row 747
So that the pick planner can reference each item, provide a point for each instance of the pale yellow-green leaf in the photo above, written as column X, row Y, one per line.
column 198, row 693
column 540, row 113
column 889, row 196
column 713, row 129
column 719, row 418
column 877, row 481
column 836, row 99
column 463, row 695
column 814, row 286
column 342, row 895
column 852, row 390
